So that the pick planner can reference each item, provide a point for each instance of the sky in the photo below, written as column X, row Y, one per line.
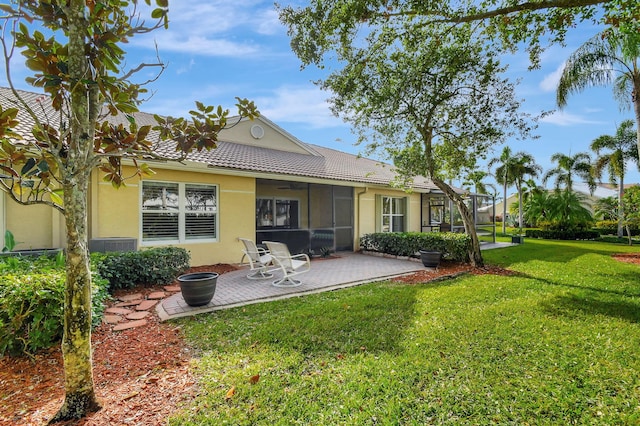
column 217, row 50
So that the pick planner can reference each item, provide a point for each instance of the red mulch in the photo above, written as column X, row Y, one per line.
column 628, row 257
column 141, row 375
column 450, row 269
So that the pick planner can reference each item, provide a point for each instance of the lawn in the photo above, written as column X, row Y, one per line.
column 556, row 344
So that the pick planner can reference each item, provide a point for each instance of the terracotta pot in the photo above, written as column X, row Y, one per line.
column 198, row 288
column 430, row 259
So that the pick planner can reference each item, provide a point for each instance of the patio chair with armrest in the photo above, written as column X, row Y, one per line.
column 288, row 264
column 259, row 260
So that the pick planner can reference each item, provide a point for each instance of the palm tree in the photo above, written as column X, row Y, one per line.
column 568, row 166
column 607, row 58
column 475, row 178
column 512, row 170
column 618, row 150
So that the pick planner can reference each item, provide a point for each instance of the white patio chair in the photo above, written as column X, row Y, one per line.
column 288, row 264
column 259, row 260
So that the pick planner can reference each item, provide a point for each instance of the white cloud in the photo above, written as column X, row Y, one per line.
column 201, row 45
column 562, row 118
column 550, row 82
column 299, row 104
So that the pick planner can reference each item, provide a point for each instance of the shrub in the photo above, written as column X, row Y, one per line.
column 148, row 267
column 32, row 301
column 563, row 234
column 610, row 227
column 453, row 246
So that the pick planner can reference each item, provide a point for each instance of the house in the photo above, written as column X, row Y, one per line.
column 261, row 183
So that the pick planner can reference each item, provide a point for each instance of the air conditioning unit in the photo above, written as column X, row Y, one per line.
column 103, row 245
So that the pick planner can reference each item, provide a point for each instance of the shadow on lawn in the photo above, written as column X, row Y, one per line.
column 558, row 252
column 566, row 304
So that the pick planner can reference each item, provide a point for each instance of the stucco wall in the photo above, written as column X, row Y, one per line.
column 33, row 227
column 366, row 215
column 116, row 213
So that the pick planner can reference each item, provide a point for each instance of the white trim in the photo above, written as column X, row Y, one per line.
column 181, row 216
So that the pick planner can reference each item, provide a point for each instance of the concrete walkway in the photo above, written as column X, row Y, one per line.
column 349, row 269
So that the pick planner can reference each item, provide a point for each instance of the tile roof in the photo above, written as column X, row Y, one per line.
column 329, row 164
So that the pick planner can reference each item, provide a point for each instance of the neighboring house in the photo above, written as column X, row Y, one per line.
column 260, row 183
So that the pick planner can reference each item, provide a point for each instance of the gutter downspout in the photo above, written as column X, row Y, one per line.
column 356, row 236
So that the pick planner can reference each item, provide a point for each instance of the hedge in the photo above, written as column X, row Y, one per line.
column 32, row 301
column 558, row 234
column 453, row 246
column 147, row 267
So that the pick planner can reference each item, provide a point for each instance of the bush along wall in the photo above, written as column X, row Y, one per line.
column 32, row 301
column 453, row 246
column 148, row 267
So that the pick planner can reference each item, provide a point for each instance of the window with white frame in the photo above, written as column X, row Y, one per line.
column 393, row 214
column 179, row 212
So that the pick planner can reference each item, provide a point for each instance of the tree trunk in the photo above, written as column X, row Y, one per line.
column 80, row 398
column 620, row 207
column 520, row 206
column 504, row 206
column 475, row 254
column 635, row 97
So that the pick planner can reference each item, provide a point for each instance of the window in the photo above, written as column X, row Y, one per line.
column 393, row 214
column 179, row 212
column 277, row 213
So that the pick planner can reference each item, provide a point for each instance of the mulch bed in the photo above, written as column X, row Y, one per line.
column 628, row 257
column 141, row 375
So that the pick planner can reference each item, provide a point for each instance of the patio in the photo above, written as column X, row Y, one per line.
column 349, row 269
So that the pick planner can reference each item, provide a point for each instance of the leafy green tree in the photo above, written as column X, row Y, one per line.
column 323, row 25
column 614, row 153
column 512, row 168
column 431, row 109
column 74, row 48
column 609, row 58
column 606, row 208
column 569, row 166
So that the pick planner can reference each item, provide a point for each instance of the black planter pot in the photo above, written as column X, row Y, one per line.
column 430, row 259
column 517, row 239
column 198, row 288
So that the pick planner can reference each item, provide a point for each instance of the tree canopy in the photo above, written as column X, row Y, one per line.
column 86, row 121
column 317, row 28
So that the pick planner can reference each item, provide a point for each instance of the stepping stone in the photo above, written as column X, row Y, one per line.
column 172, row 288
column 157, row 295
column 118, row 311
column 137, row 315
column 112, row 319
column 130, row 297
column 146, row 304
column 130, row 324
column 132, row 303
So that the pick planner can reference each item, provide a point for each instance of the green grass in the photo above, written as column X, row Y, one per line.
column 556, row 344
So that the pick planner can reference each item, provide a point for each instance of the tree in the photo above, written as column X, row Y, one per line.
column 537, row 207
column 568, row 166
column 618, row 151
column 607, row 58
column 431, row 109
column 317, row 28
column 567, row 210
column 632, row 209
column 606, row 208
column 475, row 178
column 77, row 61
column 511, row 170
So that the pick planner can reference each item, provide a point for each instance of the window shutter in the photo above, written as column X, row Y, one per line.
column 378, row 213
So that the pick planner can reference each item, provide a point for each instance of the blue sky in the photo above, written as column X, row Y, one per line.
column 217, row 50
